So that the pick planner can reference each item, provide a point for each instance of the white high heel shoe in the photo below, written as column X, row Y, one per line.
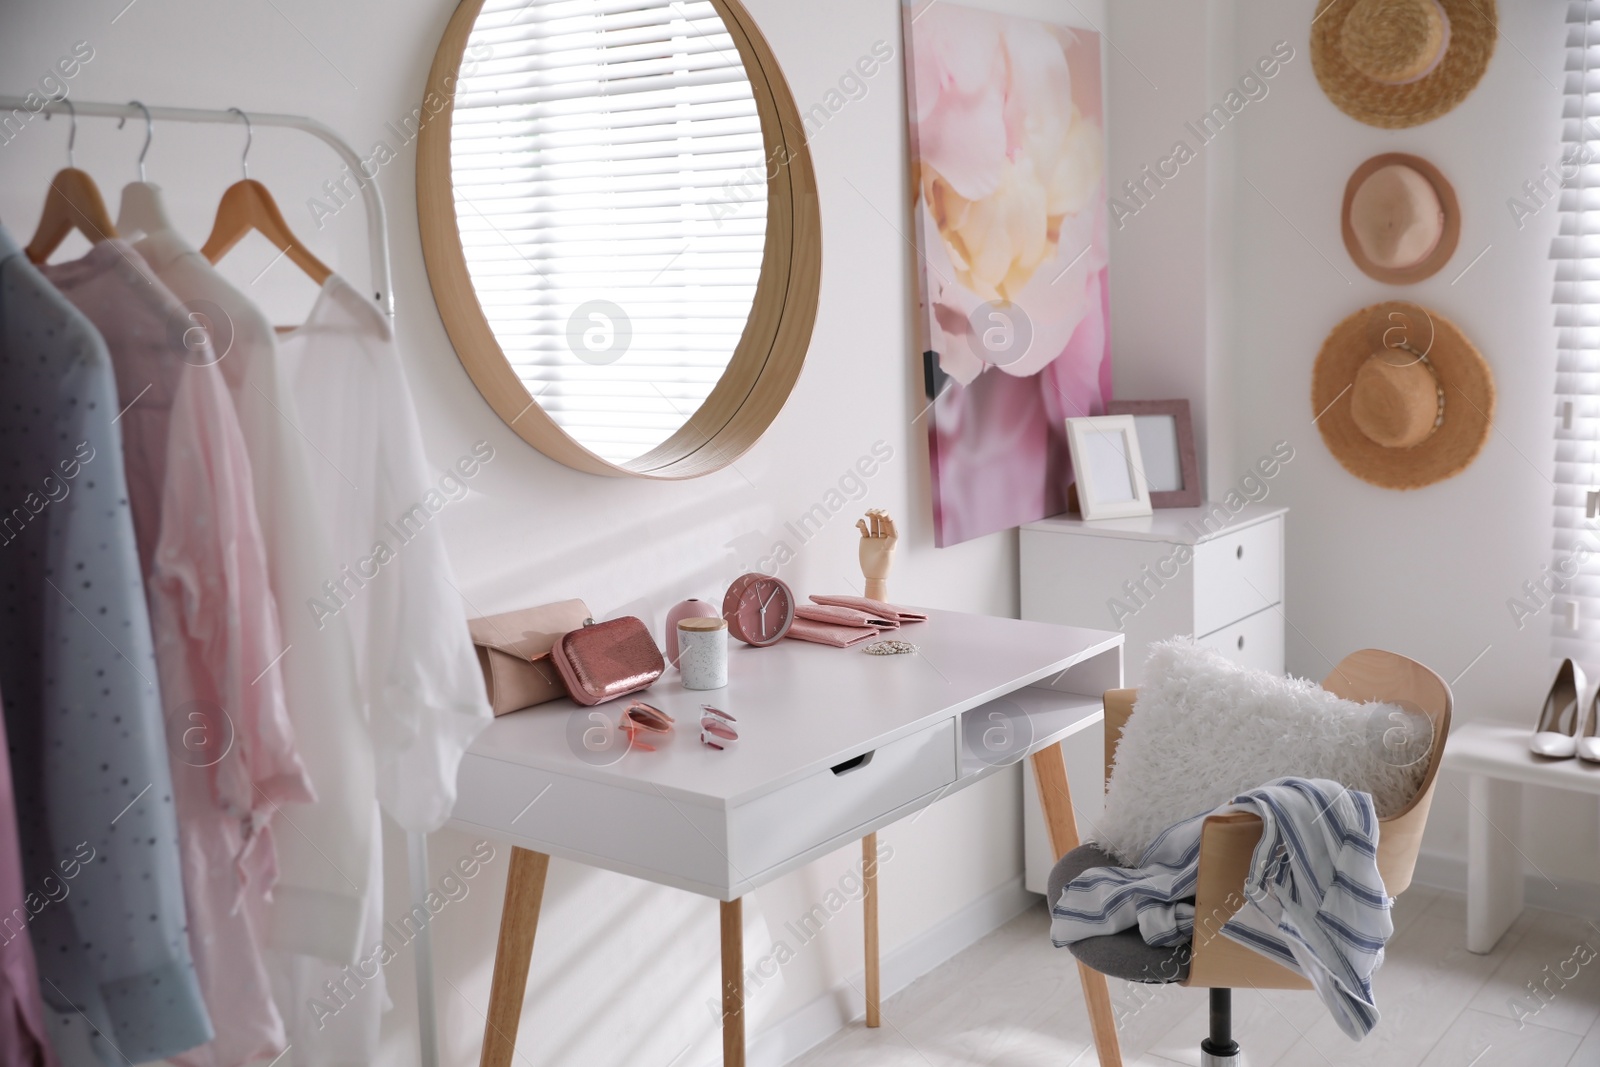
column 1588, row 741
column 1551, row 738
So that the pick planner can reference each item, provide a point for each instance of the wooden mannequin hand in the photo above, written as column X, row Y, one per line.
column 878, row 538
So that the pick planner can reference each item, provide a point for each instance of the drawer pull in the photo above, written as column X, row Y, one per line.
column 1238, row 553
column 852, row 764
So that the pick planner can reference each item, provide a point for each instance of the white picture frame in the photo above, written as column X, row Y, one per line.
column 1108, row 467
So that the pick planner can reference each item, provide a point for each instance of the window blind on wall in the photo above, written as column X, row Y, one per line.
column 1575, row 605
column 610, row 150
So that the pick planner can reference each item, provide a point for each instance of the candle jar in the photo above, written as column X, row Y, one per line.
column 703, row 653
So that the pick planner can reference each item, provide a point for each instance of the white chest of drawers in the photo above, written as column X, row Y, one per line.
column 1204, row 571
column 1200, row 571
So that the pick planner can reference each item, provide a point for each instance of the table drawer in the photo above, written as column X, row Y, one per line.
column 633, row 831
column 1256, row 641
column 1237, row 574
column 781, row 824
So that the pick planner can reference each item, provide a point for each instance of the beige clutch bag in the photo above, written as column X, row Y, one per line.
column 514, row 652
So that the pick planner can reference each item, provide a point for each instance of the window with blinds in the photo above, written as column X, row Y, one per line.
column 610, row 188
column 1575, row 607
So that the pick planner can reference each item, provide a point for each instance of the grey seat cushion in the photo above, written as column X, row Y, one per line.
column 1123, row 954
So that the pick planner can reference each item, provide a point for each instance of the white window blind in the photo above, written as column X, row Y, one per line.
column 1575, row 605
column 610, row 150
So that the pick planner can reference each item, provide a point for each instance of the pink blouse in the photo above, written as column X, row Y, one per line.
column 22, row 1038
column 216, row 628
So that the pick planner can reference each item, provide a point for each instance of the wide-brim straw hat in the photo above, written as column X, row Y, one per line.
column 1399, row 63
column 1402, row 398
column 1401, row 221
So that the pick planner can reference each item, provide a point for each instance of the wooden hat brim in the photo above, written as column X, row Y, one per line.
column 1469, row 401
column 1473, row 29
column 1448, row 238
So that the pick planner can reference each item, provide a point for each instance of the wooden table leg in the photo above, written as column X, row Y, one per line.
column 1494, row 866
column 869, row 920
column 1050, row 771
column 733, row 983
column 518, row 921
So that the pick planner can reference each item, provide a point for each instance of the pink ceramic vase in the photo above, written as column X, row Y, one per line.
column 693, row 608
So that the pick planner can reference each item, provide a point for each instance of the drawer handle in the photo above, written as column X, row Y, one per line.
column 1241, row 642
column 1238, row 553
column 853, row 764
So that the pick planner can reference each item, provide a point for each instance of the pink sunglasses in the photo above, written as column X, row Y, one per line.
column 717, row 729
column 641, row 717
column 716, row 726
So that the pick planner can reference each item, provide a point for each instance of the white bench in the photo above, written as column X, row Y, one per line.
column 1498, row 763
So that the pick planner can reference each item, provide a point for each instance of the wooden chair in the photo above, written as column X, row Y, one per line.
column 1212, row 961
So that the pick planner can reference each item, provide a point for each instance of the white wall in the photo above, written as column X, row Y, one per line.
column 622, row 969
column 1427, row 573
column 1160, row 305
column 1172, row 306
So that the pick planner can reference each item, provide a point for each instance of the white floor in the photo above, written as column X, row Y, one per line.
column 1012, row 1000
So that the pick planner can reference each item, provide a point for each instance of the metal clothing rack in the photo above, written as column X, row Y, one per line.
column 383, row 293
column 377, row 223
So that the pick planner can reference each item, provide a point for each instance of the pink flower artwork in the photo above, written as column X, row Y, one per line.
column 1008, row 156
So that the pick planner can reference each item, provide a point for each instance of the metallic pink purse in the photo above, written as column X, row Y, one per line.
column 601, row 661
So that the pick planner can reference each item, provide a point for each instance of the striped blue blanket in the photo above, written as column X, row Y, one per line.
column 1314, row 901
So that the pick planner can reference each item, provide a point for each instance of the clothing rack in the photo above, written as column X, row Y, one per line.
column 377, row 223
column 382, row 282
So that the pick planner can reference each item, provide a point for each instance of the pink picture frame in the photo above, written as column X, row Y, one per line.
column 1155, row 440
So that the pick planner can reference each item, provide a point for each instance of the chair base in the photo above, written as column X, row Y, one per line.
column 1220, row 1049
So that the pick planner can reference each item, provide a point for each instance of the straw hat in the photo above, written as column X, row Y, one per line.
column 1401, row 220
column 1399, row 63
column 1402, row 398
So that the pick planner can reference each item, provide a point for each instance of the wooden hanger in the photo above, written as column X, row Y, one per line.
column 246, row 206
column 73, row 203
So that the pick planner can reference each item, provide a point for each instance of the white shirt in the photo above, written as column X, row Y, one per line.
column 1313, row 898
column 392, row 584
column 419, row 674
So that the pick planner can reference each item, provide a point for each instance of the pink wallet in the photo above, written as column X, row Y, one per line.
column 872, row 607
column 843, row 616
column 514, row 653
column 829, row 633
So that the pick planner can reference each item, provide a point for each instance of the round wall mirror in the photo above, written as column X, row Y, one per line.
column 619, row 219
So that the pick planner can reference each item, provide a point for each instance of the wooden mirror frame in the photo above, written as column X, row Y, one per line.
column 767, row 359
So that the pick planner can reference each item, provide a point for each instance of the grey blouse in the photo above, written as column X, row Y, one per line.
column 83, row 713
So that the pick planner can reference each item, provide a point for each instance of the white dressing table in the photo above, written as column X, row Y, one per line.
column 834, row 744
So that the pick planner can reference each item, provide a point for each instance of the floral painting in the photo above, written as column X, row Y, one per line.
column 1008, row 156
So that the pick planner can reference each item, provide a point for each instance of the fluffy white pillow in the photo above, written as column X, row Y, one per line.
column 1206, row 729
